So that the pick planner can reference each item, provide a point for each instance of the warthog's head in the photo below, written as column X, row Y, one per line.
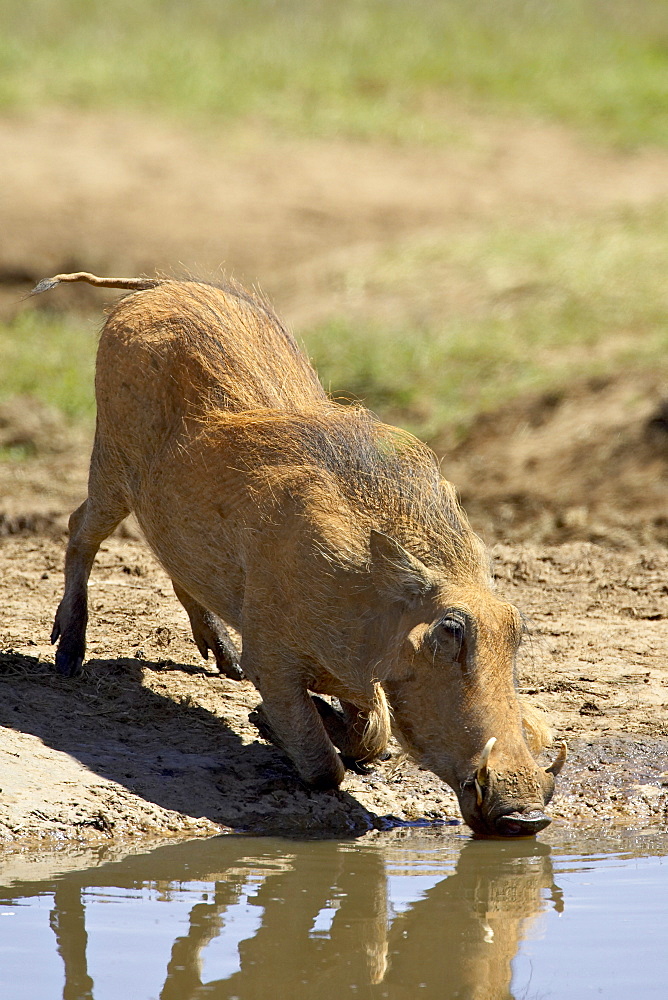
column 452, row 691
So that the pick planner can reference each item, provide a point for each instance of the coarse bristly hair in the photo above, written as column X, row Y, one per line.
column 348, row 464
column 262, row 391
column 243, row 356
column 243, row 378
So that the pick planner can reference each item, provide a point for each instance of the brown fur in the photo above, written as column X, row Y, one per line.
column 327, row 538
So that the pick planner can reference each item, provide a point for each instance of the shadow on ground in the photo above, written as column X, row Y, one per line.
column 174, row 753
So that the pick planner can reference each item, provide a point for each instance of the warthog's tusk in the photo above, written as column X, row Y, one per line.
column 484, row 759
column 480, row 778
column 559, row 762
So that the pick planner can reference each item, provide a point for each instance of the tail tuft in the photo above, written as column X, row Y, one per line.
column 45, row 285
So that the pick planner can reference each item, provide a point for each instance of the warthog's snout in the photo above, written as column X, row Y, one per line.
column 508, row 803
column 526, row 824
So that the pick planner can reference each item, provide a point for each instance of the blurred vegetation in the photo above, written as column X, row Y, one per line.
column 527, row 310
column 51, row 357
column 435, row 330
column 531, row 310
column 371, row 68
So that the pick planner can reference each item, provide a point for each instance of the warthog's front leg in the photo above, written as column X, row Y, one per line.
column 361, row 735
column 289, row 719
column 309, row 748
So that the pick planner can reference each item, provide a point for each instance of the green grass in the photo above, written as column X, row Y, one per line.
column 371, row 68
column 494, row 315
column 477, row 320
column 50, row 357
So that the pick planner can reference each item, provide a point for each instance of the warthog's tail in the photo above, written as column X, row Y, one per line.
column 127, row 284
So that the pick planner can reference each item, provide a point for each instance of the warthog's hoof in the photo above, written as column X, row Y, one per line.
column 258, row 718
column 324, row 782
column 210, row 634
column 72, row 645
column 230, row 669
column 68, row 664
column 356, row 766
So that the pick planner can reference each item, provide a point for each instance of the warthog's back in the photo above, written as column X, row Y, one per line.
column 183, row 348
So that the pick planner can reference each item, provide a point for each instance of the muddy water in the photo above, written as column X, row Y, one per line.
column 405, row 915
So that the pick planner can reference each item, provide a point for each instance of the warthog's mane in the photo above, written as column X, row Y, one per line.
column 357, row 472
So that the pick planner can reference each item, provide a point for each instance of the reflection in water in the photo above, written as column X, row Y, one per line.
column 466, row 931
column 284, row 950
column 69, row 924
column 326, row 926
column 206, row 923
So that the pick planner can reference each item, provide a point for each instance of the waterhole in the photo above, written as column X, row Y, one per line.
column 403, row 915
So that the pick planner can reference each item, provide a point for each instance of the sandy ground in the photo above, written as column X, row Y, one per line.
column 570, row 492
column 151, row 740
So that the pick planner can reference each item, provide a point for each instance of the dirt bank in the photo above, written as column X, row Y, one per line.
column 126, row 195
column 151, row 742
column 588, row 463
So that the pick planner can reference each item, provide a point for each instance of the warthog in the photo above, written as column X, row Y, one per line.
column 328, row 539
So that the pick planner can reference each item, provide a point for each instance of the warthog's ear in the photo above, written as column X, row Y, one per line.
column 396, row 573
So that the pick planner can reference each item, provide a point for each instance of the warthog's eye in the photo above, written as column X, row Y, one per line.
column 453, row 627
column 448, row 635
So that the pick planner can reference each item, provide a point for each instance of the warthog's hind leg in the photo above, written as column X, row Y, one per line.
column 361, row 736
column 89, row 526
column 210, row 633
